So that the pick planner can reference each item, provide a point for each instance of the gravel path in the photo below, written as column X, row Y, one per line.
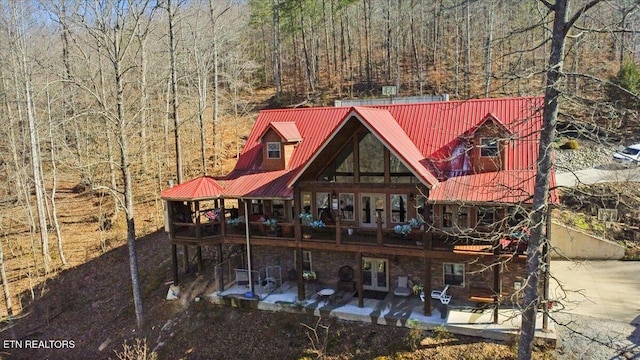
column 589, row 154
column 589, row 338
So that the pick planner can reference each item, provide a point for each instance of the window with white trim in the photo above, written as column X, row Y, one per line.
column 489, row 147
column 453, row 274
column 273, row 150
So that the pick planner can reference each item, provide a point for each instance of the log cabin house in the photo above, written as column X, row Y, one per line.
column 437, row 192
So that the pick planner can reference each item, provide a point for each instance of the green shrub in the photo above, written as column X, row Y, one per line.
column 441, row 333
column 415, row 335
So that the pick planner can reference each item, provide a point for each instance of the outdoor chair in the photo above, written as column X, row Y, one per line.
column 441, row 295
column 402, row 287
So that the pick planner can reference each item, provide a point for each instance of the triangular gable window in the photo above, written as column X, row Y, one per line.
column 371, row 166
column 341, row 168
column 371, row 153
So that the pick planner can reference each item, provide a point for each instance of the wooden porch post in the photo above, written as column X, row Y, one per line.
column 199, row 256
column 223, row 222
column 338, row 232
column 428, row 285
column 497, row 290
column 197, row 213
column 297, row 200
column 198, row 236
column 174, row 263
column 185, row 258
column 185, row 252
column 360, row 280
column 174, row 247
column 379, row 227
column 302, row 293
column 220, row 273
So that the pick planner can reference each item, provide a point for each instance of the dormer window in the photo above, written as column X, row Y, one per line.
column 489, row 147
column 273, row 150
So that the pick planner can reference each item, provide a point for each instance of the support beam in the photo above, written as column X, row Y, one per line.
column 199, row 256
column 174, row 263
column 223, row 221
column 426, row 308
column 379, row 228
column 497, row 290
column 360, row 280
column 301, row 285
column 248, row 245
column 336, row 215
column 185, row 258
column 428, row 285
column 220, row 269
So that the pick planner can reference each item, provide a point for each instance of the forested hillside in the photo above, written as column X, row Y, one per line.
column 102, row 103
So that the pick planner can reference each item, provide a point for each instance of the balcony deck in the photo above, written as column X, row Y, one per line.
column 347, row 238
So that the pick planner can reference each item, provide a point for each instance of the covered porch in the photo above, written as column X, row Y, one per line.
column 459, row 317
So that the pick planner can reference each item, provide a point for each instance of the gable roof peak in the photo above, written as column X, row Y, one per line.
column 287, row 130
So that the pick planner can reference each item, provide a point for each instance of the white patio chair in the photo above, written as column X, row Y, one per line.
column 441, row 295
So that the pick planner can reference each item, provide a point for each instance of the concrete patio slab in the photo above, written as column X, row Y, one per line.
column 392, row 311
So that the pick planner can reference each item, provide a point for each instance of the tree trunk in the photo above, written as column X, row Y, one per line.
column 108, row 129
column 5, row 283
column 305, row 51
column 174, row 92
column 539, row 238
column 36, row 164
column 488, row 50
column 128, row 190
column 54, row 185
column 143, row 101
column 277, row 61
column 467, row 46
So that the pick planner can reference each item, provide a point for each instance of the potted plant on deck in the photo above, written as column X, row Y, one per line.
column 233, row 224
column 270, row 225
column 412, row 225
column 402, row 229
column 305, row 218
column 418, row 289
column 316, row 226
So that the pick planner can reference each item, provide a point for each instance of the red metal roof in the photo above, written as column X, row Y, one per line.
column 435, row 128
column 493, row 187
column 487, row 118
column 204, row 187
column 384, row 127
column 287, row 131
column 420, row 135
column 262, row 185
column 313, row 124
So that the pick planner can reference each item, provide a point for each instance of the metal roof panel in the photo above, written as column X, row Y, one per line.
column 204, row 187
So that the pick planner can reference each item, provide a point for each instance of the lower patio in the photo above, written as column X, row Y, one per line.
column 457, row 317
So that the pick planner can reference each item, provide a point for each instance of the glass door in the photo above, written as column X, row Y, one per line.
column 371, row 205
column 375, row 274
